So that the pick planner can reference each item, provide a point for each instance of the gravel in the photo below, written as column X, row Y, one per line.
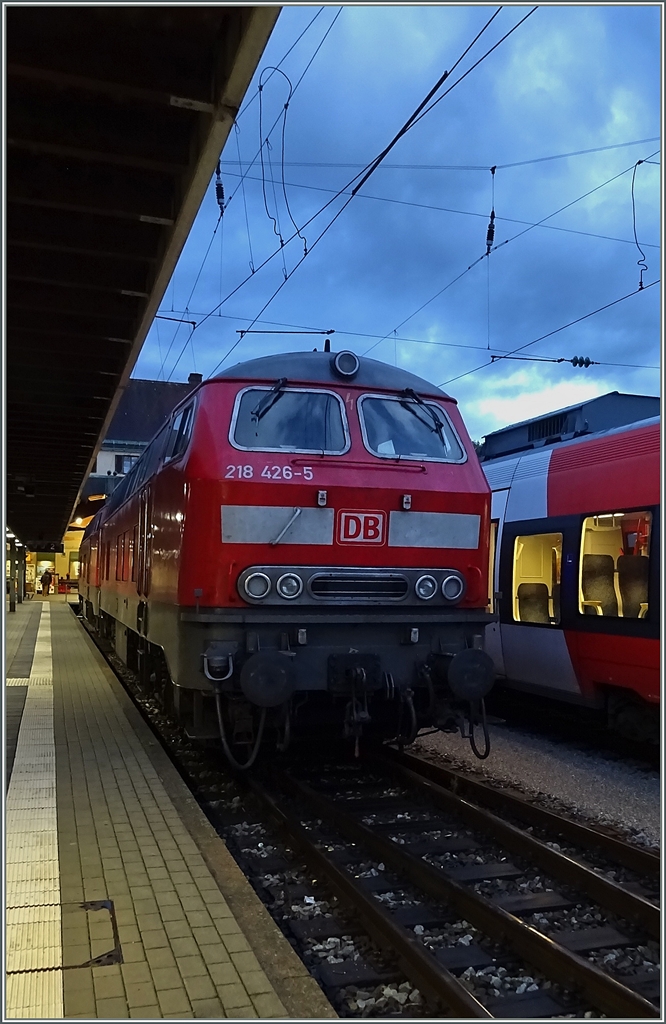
column 609, row 792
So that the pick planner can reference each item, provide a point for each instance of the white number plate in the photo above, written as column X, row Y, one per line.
column 268, row 473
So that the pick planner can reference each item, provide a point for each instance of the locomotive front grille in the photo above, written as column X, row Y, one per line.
column 359, row 587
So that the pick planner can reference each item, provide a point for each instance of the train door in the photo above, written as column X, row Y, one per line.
column 145, row 548
column 93, row 570
column 534, row 646
column 493, row 632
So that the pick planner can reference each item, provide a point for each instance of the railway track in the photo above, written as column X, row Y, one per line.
column 483, row 904
column 420, row 864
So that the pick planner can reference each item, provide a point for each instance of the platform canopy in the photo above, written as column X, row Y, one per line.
column 115, row 119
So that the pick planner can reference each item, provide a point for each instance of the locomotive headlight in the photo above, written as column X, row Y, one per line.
column 289, row 586
column 426, row 587
column 452, row 588
column 257, row 585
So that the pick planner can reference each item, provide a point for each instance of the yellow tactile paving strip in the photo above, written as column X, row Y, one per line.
column 122, row 838
column 32, row 881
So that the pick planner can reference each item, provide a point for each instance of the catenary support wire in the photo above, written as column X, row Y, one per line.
column 641, row 262
column 549, row 334
column 370, row 170
column 500, row 245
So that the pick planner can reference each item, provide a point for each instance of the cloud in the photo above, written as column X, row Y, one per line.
column 570, row 78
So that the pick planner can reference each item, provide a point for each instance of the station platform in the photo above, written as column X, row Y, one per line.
column 122, row 901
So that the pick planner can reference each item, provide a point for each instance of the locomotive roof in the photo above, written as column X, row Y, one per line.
column 317, row 368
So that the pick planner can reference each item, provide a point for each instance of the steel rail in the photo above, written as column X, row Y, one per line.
column 436, row 982
column 555, row 961
column 608, row 894
column 632, row 857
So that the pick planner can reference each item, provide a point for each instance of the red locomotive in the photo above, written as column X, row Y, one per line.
column 303, row 545
column 576, row 528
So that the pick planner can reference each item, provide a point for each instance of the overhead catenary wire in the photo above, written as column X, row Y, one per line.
column 641, row 262
column 254, row 158
column 196, row 281
column 549, row 334
column 476, row 64
column 253, row 269
column 568, row 205
column 242, row 182
column 494, row 248
column 365, row 176
column 303, row 329
column 472, row 167
column 281, row 61
column 467, row 213
column 321, row 43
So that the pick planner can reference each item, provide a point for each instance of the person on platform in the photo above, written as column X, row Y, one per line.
column 45, row 581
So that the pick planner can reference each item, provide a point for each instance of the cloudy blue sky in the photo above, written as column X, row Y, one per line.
column 569, row 78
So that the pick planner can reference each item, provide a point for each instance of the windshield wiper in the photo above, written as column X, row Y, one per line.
column 269, row 400
column 438, row 426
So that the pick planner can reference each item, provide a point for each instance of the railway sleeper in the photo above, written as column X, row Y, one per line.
column 633, row 857
column 599, row 988
column 607, row 893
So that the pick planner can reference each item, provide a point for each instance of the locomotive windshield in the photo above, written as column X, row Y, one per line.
column 290, row 419
column 408, row 427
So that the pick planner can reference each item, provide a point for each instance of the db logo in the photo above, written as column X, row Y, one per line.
column 363, row 527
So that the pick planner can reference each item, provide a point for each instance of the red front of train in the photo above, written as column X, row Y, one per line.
column 304, row 544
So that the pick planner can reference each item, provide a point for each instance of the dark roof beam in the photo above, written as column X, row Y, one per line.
column 62, row 327
column 74, row 271
column 27, row 279
column 105, row 330
column 132, row 242
column 110, row 159
column 102, row 191
column 159, row 138
column 59, row 300
column 114, row 90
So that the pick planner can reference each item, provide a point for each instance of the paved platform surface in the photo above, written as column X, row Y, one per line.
column 122, row 901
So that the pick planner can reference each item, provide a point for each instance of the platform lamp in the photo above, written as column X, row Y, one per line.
column 11, row 540
column 20, row 576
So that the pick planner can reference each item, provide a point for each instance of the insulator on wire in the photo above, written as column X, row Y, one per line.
column 581, row 361
column 490, row 237
column 219, row 188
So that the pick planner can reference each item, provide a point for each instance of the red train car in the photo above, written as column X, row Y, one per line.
column 304, row 544
column 577, row 537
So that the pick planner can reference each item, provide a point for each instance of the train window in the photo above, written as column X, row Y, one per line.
column 405, row 428
column 614, row 565
column 180, row 432
column 120, row 544
column 537, row 565
column 289, row 420
column 126, row 554
column 134, row 552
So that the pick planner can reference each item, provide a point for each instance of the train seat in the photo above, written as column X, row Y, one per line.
column 632, row 571
column 533, row 602
column 598, row 584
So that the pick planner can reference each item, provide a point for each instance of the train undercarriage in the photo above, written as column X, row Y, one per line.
column 321, row 684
